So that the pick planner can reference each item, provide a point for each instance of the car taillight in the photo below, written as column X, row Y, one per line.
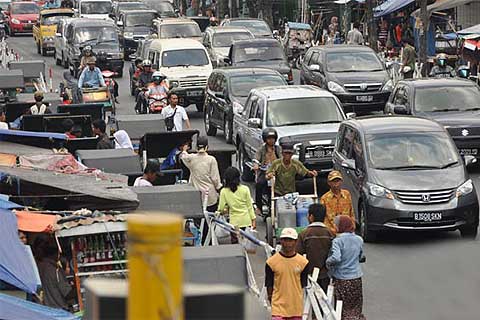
column 290, row 75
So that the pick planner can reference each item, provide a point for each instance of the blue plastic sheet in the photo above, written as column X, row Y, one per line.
column 12, row 308
column 6, row 204
column 390, row 6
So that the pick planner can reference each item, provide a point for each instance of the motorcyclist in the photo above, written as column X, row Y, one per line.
column 463, row 71
column 86, row 53
column 144, row 79
column 158, row 86
column 264, row 157
column 91, row 76
column 441, row 69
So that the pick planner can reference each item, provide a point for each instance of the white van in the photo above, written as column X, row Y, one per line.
column 95, row 9
column 186, row 65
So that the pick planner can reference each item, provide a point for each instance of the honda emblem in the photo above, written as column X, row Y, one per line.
column 363, row 86
column 425, row 197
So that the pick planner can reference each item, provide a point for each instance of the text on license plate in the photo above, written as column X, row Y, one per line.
column 196, row 93
column 469, row 152
column 364, row 98
column 322, row 153
column 427, row 216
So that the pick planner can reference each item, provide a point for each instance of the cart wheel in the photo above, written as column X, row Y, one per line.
column 269, row 231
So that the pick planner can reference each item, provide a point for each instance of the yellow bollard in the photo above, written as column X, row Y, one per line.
column 155, row 267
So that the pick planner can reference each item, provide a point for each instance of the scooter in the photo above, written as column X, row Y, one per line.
column 156, row 102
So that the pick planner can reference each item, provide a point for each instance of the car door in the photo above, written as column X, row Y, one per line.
column 358, row 177
column 317, row 77
column 210, row 94
column 250, row 132
column 222, row 104
column 256, row 133
column 216, row 100
column 58, row 38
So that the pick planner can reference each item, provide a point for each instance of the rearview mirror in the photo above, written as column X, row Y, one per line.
column 315, row 67
column 469, row 160
column 400, row 109
column 349, row 164
column 254, row 123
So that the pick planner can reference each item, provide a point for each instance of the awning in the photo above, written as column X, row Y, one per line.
column 471, row 30
column 390, row 6
column 440, row 5
column 35, row 222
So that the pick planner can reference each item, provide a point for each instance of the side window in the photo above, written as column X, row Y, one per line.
column 211, row 81
column 246, row 111
column 347, row 143
column 223, row 84
column 406, row 96
column 307, row 57
column 314, row 59
column 151, row 57
column 260, row 109
column 218, row 83
column 399, row 96
column 358, row 155
column 253, row 108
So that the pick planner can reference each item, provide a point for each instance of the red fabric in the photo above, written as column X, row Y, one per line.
column 35, row 222
column 345, row 224
column 70, row 135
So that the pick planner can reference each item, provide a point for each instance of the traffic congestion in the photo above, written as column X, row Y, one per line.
column 176, row 160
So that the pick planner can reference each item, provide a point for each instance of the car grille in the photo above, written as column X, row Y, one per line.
column 425, row 197
column 202, row 82
column 363, row 87
column 463, row 132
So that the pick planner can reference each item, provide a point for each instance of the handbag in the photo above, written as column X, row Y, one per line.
column 169, row 123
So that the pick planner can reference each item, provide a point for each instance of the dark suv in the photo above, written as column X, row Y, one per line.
column 354, row 74
column 134, row 26
column 455, row 103
column 404, row 173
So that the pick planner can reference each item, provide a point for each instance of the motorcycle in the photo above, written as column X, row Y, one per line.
column 156, row 102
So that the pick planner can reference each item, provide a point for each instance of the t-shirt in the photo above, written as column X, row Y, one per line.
column 3, row 125
column 141, row 182
column 239, row 204
column 54, row 284
column 287, row 276
column 285, row 176
column 180, row 116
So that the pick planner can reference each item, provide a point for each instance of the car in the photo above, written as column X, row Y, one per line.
column 451, row 102
column 226, row 93
column 404, row 173
column 257, row 26
column 305, row 116
column 125, row 6
column 186, row 65
column 21, row 17
column 95, row 9
column 102, row 36
column 164, row 8
column 353, row 73
column 45, row 29
column 260, row 53
column 60, row 52
column 218, row 40
column 172, row 28
column 134, row 26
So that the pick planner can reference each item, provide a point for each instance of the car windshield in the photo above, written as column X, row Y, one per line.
column 24, row 8
column 444, row 99
column 102, row 7
column 140, row 19
column 96, row 35
column 256, row 27
column 411, row 151
column 353, row 62
column 241, row 85
column 300, row 111
column 163, row 7
column 180, row 31
column 258, row 53
column 50, row 20
column 129, row 5
column 187, row 57
column 226, row 39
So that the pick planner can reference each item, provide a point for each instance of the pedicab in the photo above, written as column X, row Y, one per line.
column 298, row 38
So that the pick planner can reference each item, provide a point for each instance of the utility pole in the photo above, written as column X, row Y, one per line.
column 424, row 22
column 372, row 32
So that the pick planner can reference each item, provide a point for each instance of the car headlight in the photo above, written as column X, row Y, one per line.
column 128, row 34
column 116, row 55
column 388, row 86
column 15, row 21
column 173, row 84
column 237, row 107
column 465, row 188
column 335, row 87
column 379, row 191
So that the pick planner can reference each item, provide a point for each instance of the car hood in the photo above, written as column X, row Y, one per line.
column 419, row 179
column 280, row 66
column 187, row 72
column 25, row 16
column 357, row 77
column 454, row 119
column 311, row 133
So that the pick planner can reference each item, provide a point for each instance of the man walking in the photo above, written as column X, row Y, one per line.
column 174, row 114
column 337, row 201
column 354, row 36
column 315, row 241
column 408, row 58
column 286, row 274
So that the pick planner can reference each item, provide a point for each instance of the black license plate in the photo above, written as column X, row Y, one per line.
column 427, row 216
column 320, row 153
column 468, row 152
column 364, row 98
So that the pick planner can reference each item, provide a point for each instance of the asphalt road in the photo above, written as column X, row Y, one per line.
column 407, row 275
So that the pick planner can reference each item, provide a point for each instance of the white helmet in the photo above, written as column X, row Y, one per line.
column 146, row 63
column 157, row 75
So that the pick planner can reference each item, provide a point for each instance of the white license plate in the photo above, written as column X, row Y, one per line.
column 469, row 152
column 364, row 98
column 322, row 153
column 196, row 93
column 427, row 216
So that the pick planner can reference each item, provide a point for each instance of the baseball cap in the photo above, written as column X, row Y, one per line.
column 334, row 174
column 289, row 233
column 91, row 60
column 287, row 147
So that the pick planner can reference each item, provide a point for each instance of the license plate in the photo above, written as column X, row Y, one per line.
column 469, row 152
column 321, row 153
column 196, row 93
column 364, row 98
column 427, row 216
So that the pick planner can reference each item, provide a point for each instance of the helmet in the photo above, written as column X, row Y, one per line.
column 91, row 60
column 442, row 59
column 158, row 76
column 463, row 72
column 147, row 63
column 269, row 133
column 87, row 49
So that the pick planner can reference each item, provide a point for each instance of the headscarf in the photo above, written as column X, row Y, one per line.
column 122, row 140
column 344, row 224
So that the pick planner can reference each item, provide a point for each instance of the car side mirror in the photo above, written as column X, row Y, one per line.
column 315, row 68
column 349, row 164
column 226, row 60
column 469, row 160
column 351, row 115
column 220, row 95
column 120, row 23
column 400, row 109
column 254, row 123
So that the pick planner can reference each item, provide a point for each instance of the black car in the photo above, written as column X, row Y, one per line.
column 256, row 26
column 354, row 74
column 455, row 103
column 260, row 53
column 227, row 91
column 125, row 6
column 164, row 8
column 133, row 26
column 404, row 173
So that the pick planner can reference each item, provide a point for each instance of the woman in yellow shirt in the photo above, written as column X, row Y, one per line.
column 236, row 197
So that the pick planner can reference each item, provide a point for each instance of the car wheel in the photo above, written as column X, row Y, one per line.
column 365, row 233
column 210, row 129
column 246, row 173
column 199, row 106
column 469, row 232
column 269, row 231
column 228, row 130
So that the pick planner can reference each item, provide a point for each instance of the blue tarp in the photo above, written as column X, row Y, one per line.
column 4, row 132
column 16, row 264
column 6, row 204
column 12, row 308
column 390, row 6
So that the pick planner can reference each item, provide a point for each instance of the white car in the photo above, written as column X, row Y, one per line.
column 60, row 53
column 95, row 9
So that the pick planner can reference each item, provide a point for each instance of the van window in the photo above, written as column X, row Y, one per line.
column 253, row 107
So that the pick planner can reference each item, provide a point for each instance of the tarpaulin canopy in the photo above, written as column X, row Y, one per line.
column 440, row 5
column 471, row 30
column 390, row 6
column 17, row 266
column 35, row 222
column 6, row 204
column 13, row 308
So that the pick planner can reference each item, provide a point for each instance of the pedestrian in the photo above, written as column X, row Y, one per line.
column 174, row 114
column 315, row 241
column 343, row 264
column 204, row 174
column 39, row 107
column 286, row 274
column 67, row 126
column 99, row 129
column 408, row 58
column 354, row 36
column 122, row 140
column 337, row 201
column 150, row 174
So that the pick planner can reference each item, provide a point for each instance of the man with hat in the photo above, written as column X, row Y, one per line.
column 285, row 171
column 152, row 169
column 337, row 201
column 91, row 77
column 286, row 274
column 39, row 107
